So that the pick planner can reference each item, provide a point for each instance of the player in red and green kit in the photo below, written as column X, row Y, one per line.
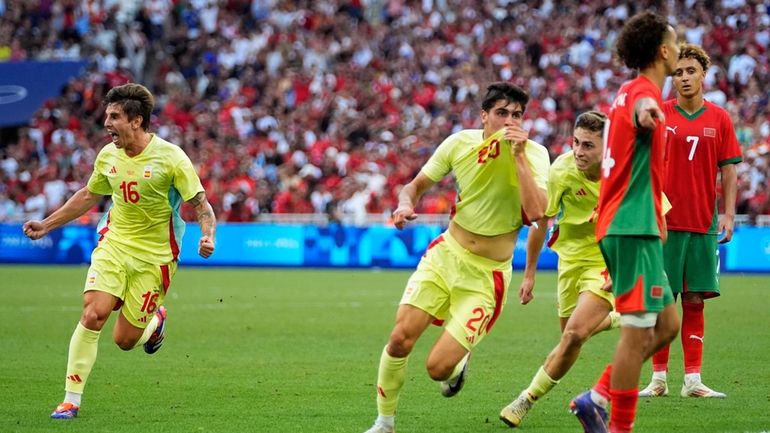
column 630, row 226
column 463, row 277
column 135, row 260
column 701, row 142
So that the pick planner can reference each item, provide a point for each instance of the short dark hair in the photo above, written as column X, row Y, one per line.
column 134, row 99
column 591, row 120
column 638, row 42
column 692, row 51
column 509, row 92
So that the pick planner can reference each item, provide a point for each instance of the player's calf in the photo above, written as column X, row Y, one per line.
column 452, row 386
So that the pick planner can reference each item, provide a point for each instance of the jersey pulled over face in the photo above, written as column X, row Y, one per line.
column 488, row 200
column 502, row 114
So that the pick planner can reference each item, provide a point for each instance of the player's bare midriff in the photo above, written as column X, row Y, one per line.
column 498, row 247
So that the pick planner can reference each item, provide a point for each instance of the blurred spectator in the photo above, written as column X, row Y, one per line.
column 330, row 107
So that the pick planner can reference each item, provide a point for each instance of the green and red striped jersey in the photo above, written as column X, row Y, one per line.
column 632, row 167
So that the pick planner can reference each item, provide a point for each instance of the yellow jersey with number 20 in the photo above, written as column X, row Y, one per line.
column 488, row 201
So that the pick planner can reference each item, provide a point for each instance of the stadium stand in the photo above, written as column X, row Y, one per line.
column 324, row 108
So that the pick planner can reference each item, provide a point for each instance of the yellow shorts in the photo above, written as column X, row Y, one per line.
column 459, row 288
column 140, row 286
column 576, row 277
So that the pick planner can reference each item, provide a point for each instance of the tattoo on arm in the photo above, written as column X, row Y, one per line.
column 204, row 214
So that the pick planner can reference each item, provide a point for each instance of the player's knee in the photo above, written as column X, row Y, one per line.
column 670, row 331
column 400, row 344
column 91, row 319
column 573, row 338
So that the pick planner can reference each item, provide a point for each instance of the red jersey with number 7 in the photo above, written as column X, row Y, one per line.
column 697, row 145
column 632, row 167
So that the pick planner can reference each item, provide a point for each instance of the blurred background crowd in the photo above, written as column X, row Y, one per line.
column 327, row 107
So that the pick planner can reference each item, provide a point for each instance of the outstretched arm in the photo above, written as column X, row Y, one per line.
column 408, row 198
column 648, row 114
column 208, row 223
column 77, row 205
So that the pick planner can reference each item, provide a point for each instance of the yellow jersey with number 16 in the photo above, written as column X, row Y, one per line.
column 147, row 192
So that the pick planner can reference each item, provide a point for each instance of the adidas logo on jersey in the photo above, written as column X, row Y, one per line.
column 581, row 192
column 113, row 170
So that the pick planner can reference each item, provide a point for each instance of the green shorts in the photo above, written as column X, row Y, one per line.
column 465, row 291
column 140, row 286
column 692, row 263
column 639, row 282
column 576, row 277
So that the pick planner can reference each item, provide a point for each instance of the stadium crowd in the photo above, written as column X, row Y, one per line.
column 329, row 106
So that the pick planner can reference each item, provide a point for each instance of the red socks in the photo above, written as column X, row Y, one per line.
column 693, row 325
column 602, row 386
column 692, row 336
column 660, row 359
column 623, row 410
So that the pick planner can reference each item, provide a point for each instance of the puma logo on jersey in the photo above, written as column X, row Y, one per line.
column 695, row 337
column 668, row 128
column 709, row 132
column 581, row 191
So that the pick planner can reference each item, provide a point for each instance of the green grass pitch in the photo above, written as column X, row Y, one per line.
column 287, row 350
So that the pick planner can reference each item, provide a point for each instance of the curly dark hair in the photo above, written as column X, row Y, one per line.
column 638, row 42
column 134, row 99
column 509, row 92
column 691, row 51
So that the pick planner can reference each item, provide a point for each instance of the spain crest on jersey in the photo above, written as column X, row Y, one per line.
column 147, row 171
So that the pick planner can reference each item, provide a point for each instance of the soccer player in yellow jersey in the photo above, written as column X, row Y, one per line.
column 584, row 292
column 462, row 279
column 140, row 236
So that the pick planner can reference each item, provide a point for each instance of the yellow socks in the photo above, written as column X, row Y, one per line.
column 390, row 379
column 81, row 358
column 541, row 385
column 614, row 319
